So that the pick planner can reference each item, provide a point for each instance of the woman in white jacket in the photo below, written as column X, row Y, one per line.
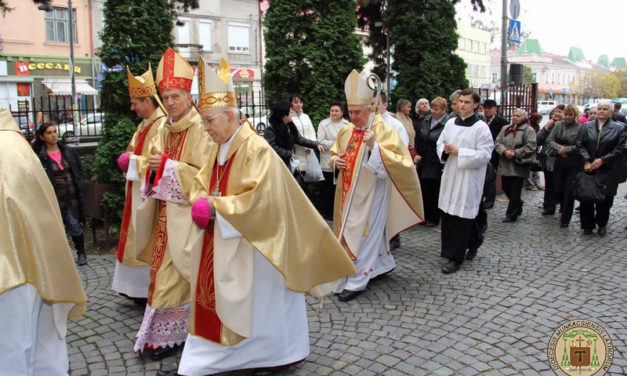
column 327, row 133
column 305, row 129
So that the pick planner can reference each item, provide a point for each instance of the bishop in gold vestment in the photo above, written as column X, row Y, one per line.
column 39, row 284
column 177, row 153
column 265, row 246
column 132, row 277
column 387, row 197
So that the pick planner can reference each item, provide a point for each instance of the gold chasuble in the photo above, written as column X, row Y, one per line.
column 33, row 245
column 163, row 227
column 406, row 207
column 146, row 130
column 259, row 197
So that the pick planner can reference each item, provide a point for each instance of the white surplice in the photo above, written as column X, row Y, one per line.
column 373, row 256
column 461, row 188
column 280, row 331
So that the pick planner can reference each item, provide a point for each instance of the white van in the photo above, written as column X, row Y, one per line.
column 544, row 107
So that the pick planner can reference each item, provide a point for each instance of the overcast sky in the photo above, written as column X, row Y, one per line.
column 595, row 26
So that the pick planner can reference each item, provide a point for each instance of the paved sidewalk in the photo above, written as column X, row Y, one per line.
column 493, row 317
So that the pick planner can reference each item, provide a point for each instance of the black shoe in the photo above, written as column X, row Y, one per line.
column 509, row 219
column 82, row 258
column 472, row 252
column 395, row 243
column 140, row 302
column 564, row 224
column 587, row 231
column 382, row 275
column 163, row 352
column 488, row 205
column 451, row 267
column 430, row 224
column 602, row 230
column 548, row 212
column 167, row 373
column 348, row 295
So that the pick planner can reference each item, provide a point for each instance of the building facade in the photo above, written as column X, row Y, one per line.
column 229, row 29
column 34, row 58
column 473, row 47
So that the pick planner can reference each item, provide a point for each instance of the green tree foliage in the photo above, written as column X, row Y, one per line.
column 311, row 48
column 424, row 43
column 136, row 33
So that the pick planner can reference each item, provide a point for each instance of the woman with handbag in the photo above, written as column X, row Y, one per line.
column 516, row 146
column 601, row 144
column 548, row 202
column 282, row 135
column 563, row 141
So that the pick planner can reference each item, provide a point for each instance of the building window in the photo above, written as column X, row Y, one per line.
column 483, row 71
column 462, row 44
column 239, row 38
column 483, row 48
column 469, row 44
column 494, row 77
column 535, row 77
column 183, row 32
column 58, row 25
column 476, row 46
column 204, row 35
column 469, row 70
column 476, row 70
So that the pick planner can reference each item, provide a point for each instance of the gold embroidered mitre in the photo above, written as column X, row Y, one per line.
column 174, row 72
column 215, row 89
column 357, row 90
column 141, row 86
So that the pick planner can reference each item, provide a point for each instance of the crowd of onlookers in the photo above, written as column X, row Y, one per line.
column 568, row 148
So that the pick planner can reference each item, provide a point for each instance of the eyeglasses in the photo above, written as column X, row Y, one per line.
column 209, row 119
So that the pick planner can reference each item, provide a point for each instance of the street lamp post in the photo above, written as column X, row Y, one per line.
column 504, row 54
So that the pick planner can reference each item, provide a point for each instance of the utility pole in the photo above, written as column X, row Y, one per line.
column 74, row 102
column 504, row 53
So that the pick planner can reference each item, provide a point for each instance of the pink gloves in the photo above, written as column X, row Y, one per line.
column 201, row 213
column 123, row 160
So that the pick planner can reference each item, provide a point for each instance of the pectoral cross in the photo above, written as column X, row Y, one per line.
column 216, row 192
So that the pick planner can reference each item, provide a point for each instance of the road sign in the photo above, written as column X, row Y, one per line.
column 514, row 9
column 514, row 31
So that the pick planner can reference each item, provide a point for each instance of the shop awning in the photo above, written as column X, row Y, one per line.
column 64, row 87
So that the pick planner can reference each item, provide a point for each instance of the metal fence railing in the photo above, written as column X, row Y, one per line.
column 254, row 108
column 83, row 125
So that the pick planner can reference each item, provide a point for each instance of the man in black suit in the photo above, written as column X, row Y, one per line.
column 495, row 122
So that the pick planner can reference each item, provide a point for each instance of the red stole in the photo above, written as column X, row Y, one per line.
column 350, row 156
column 207, row 324
column 128, row 201
column 173, row 147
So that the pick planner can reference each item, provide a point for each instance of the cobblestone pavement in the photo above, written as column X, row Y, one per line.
column 493, row 317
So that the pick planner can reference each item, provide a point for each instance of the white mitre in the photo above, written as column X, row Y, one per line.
column 357, row 90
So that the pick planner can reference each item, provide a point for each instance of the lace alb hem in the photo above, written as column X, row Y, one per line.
column 162, row 327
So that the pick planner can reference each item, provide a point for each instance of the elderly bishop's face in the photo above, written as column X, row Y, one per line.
column 359, row 114
column 220, row 124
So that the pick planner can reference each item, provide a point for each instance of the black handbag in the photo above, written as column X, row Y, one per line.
column 589, row 188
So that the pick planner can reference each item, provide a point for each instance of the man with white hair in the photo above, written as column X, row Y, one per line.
column 248, row 307
column 177, row 153
column 386, row 195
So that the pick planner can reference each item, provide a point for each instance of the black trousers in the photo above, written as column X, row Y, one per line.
column 461, row 234
column 328, row 194
column 563, row 178
column 512, row 185
column 549, row 201
column 489, row 185
column 430, row 196
column 599, row 214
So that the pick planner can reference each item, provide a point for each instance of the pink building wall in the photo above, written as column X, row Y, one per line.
column 23, row 30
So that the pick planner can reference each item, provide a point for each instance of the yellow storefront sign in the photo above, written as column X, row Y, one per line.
column 58, row 66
